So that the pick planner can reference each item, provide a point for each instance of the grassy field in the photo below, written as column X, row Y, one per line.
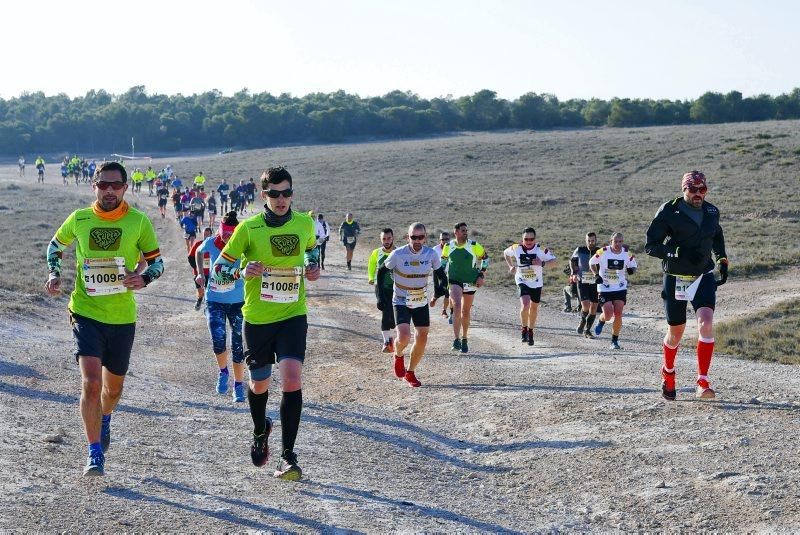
column 772, row 335
column 564, row 183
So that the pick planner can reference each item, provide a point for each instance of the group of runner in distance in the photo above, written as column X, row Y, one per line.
column 253, row 274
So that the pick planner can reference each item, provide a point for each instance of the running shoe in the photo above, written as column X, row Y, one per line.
column 399, row 366
column 567, row 309
column 445, row 314
column 581, row 326
column 704, row 390
column 388, row 347
column 105, row 436
column 412, row 380
column 287, row 467
column 614, row 345
column 259, row 451
column 599, row 328
column 668, row 391
column 238, row 393
column 456, row 345
column 464, row 346
column 95, row 465
column 222, row 383
column 530, row 338
column 198, row 303
column 588, row 334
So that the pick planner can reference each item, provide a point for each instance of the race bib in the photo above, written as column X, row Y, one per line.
column 220, row 288
column 611, row 276
column 104, row 276
column 417, row 297
column 587, row 277
column 206, row 262
column 351, row 239
column 470, row 287
column 686, row 287
column 281, row 285
column 528, row 273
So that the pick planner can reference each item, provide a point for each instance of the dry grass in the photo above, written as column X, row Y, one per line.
column 772, row 335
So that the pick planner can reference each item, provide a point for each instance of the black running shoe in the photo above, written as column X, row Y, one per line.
column 288, row 468
column 464, row 346
column 524, row 334
column 198, row 303
column 530, row 338
column 259, row 451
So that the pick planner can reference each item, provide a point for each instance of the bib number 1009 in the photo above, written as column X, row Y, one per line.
column 104, row 276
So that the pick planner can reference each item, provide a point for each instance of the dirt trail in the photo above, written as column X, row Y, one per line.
column 565, row 435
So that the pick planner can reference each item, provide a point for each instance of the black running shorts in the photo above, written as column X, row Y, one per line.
column 460, row 284
column 534, row 293
column 619, row 295
column 588, row 292
column 706, row 296
column 272, row 342
column 420, row 316
column 110, row 343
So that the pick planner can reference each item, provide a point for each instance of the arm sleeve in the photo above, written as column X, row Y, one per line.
column 62, row 239
column 657, row 232
column 372, row 265
column 148, row 245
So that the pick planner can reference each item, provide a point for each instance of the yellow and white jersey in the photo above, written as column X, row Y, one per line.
column 411, row 271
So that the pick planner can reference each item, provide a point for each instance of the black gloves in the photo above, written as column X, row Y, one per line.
column 598, row 279
column 631, row 270
column 723, row 270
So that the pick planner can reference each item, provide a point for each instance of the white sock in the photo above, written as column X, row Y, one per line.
column 387, row 335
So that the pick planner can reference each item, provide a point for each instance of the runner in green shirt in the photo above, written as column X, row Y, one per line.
column 111, row 239
column 383, row 287
column 466, row 263
column 278, row 250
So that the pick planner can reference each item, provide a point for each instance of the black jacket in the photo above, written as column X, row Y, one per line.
column 680, row 231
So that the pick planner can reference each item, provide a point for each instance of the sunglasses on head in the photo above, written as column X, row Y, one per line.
column 700, row 189
column 417, row 238
column 103, row 185
column 275, row 193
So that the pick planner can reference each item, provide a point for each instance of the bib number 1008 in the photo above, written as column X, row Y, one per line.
column 281, row 285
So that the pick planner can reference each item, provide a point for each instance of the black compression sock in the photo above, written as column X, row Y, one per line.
column 589, row 320
column 291, row 407
column 258, row 410
column 615, row 338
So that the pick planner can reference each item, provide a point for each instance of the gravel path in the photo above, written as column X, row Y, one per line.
column 563, row 436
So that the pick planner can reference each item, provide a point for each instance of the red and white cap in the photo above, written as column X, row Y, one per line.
column 693, row 179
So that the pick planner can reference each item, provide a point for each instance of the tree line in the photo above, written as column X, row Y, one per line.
column 103, row 122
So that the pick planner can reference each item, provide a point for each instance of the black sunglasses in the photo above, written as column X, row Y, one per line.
column 275, row 193
column 417, row 238
column 701, row 189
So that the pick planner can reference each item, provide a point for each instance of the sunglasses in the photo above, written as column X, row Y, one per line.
column 701, row 189
column 417, row 238
column 275, row 193
column 528, row 239
column 103, row 185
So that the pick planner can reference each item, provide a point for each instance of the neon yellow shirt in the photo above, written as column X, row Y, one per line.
column 125, row 238
column 200, row 180
column 281, row 247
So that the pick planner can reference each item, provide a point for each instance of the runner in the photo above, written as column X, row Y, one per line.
column 40, row 169
column 224, row 304
column 197, row 206
column 440, row 288
column 21, row 163
column 383, row 287
column 611, row 266
column 163, row 197
column 271, row 246
column 211, row 204
column 241, row 190
column 177, row 204
column 137, row 177
column 323, row 233
column 235, row 200
column 205, row 264
column 189, row 226
column 410, row 266
column 199, row 183
column 177, row 183
column 250, row 194
column 223, row 189
column 467, row 262
column 348, row 234
column 526, row 260
column 64, row 172
column 683, row 234
column 92, row 168
column 584, row 277
column 111, row 238
column 150, row 177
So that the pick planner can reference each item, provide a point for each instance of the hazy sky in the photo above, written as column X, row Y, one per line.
column 666, row 49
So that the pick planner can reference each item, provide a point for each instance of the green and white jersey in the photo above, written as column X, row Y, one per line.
column 280, row 293
column 105, row 249
column 375, row 262
column 464, row 262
